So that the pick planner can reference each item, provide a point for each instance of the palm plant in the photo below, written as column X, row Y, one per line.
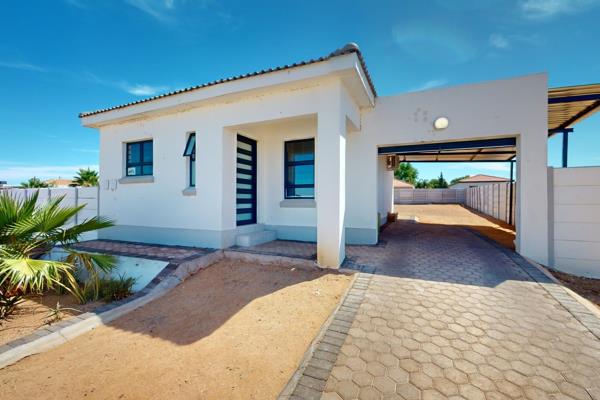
column 28, row 231
column 34, row 182
column 86, row 177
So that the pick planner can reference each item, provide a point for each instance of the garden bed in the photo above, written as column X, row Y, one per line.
column 235, row 330
column 36, row 312
column 585, row 287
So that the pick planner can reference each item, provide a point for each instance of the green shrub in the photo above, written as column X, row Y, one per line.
column 8, row 302
column 114, row 289
column 108, row 289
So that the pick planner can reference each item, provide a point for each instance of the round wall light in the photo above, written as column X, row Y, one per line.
column 441, row 123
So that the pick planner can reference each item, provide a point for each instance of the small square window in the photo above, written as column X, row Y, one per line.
column 139, row 158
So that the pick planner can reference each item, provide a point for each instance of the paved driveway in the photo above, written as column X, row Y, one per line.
column 449, row 315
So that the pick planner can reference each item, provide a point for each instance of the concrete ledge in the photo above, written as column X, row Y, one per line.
column 190, row 191
column 298, row 203
column 270, row 259
column 57, row 334
column 136, row 179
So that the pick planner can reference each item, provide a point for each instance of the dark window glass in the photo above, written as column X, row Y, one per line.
column 190, row 152
column 139, row 158
column 300, row 169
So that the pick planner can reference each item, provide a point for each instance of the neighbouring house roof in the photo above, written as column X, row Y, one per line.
column 60, row 182
column 347, row 49
column 483, row 178
column 400, row 184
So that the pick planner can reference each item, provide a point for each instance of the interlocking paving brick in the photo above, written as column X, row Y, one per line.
column 450, row 315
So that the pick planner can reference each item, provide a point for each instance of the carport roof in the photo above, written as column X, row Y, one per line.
column 488, row 150
column 569, row 105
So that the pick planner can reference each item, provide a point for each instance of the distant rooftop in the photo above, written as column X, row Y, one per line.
column 400, row 184
column 483, row 178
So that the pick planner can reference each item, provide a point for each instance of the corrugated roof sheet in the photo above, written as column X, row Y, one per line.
column 566, row 114
column 347, row 49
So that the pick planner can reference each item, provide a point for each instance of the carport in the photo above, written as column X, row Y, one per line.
column 472, row 151
column 567, row 106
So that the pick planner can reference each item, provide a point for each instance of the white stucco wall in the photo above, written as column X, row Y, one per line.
column 385, row 190
column 466, row 185
column 576, row 220
column 351, row 182
column 159, row 212
column 513, row 107
column 290, row 222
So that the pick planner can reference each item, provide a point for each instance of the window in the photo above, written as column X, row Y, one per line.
column 139, row 158
column 300, row 169
column 190, row 152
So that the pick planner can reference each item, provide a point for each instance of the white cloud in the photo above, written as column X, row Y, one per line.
column 499, row 41
column 136, row 89
column 144, row 90
column 78, row 3
column 22, row 66
column 545, row 9
column 433, row 83
column 84, row 150
column 15, row 173
column 161, row 10
column 435, row 41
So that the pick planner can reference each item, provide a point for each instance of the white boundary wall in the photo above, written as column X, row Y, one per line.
column 74, row 196
column 575, row 220
column 493, row 200
column 427, row 196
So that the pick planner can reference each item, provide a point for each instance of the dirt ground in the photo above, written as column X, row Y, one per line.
column 455, row 214
column 585, row 287
column 33, row 313
column 233, row 331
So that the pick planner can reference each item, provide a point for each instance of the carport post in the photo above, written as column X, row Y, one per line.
column 510, row 196
column 565, row 148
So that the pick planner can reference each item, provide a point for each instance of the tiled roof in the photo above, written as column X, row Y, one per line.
column 347, row 49
column 400, row 184
column 484, row 178
column 60, row 182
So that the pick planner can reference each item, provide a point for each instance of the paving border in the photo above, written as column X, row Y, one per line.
column 201, row 251
column 308, row 383
column 48, row 337
column 573, row 305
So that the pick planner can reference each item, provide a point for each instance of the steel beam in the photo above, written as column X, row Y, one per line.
column 471, row 144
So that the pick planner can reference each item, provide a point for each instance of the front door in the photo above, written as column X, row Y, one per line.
column 246, row 181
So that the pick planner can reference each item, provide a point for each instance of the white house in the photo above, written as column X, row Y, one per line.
column 299, row 152
column 478, row 180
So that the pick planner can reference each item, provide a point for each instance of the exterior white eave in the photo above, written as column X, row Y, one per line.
column 346, row 67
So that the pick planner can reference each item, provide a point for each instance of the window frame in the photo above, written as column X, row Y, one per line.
column 141, row 163
column 287, row 164
column 191, row 154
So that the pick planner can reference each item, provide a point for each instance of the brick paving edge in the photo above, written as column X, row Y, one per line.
column 575, row 306
column 308, row 382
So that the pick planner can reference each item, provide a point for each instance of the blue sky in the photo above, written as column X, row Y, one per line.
column 60, row 57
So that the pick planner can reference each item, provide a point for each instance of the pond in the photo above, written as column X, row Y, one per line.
column 142, row 269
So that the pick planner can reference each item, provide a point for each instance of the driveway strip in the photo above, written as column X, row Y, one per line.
column 449, row 314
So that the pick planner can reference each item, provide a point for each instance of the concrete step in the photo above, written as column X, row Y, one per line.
column 255, row 238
